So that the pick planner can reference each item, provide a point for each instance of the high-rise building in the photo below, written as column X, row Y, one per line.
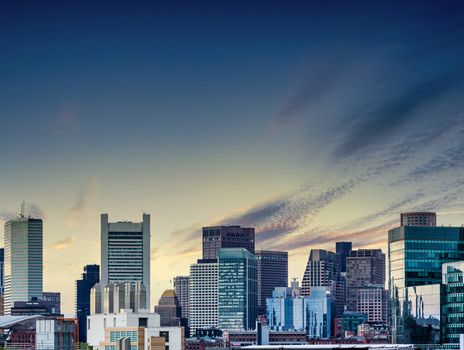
column 452, row 324
column 364, row 267
column 53, row 301
column 343, row 250
column 125, row 252
column 90, row 277
column 418, row 219
column 322, row 270
column 272, row 273
column 203, row 295
column 415, row 258
column 238, row 289
column 169, row 309
column 23, row 260
column 181, row 288
column 217, row 237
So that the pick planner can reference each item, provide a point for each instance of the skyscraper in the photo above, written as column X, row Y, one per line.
column 415, row 258
column 125, row 252
column 90, row 277
column 203, row 295
column 217, row 237
column 364, row 268
column 342, row 249
column 169, row 309
column 418, row 219
column 452, row 304
column 238, row 289
column 23, row 260
column 322, row 270
column 181, row 288
column 272, row 273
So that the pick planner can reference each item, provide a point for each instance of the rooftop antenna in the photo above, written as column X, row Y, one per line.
column 23, row 209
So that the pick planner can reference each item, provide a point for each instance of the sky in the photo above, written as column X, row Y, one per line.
column 313, row 122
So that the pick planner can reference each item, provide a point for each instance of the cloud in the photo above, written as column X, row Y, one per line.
column 63, row 244
column 451, row 158
column 82, row 201
column 383, row 120
column 32, row 209
column 272, row 220
column 6, row 215
column 35, row 211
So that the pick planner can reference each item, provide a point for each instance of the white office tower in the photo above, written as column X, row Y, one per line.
column 203, row 296
column 23, row 260
column 125, row 253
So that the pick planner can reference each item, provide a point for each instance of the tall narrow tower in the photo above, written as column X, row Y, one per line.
column 125, row 252
column 23, row 260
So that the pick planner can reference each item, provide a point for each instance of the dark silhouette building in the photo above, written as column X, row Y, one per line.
column 272, row 273
column 217, row 237
column 181, row 288
column 31, row 307
column 343, row 250
column 90, row 277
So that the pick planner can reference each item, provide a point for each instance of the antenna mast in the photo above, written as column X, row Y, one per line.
column 23, row 209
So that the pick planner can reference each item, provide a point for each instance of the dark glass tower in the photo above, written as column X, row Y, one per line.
column 415, row 258
column 90, row 277
column 272, row 273
column 342, row 249
column 237, row 289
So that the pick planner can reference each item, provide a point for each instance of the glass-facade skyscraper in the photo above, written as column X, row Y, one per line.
column 416, row 255
column 238, row 289
column 125, row 252
column 90, row 277
column 23, row 260
column 452, row 308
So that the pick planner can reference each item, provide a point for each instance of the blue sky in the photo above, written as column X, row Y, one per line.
column 312, row 121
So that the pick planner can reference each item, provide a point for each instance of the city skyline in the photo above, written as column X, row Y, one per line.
column 310, row 124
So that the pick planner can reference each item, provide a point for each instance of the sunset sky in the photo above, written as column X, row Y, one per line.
column 311, row 121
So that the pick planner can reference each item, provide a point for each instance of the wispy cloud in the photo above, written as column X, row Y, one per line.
column 82, row 201
column 6, row 215
column 63, row 244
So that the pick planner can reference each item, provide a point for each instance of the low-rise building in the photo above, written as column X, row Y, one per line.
column 59, row 333
column 96, row 324
column 235, row 340
column 141, row 338
column 312, row 313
